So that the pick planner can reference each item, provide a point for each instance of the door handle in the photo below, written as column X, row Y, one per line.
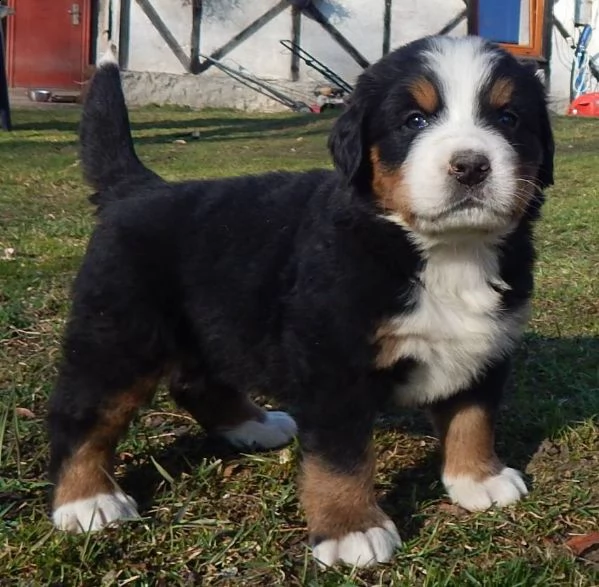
column 75, row 13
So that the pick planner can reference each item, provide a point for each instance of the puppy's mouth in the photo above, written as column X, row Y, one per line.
column 471, row 206
column 464, row 203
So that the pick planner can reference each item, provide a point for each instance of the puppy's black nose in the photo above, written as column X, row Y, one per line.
column 469, row 167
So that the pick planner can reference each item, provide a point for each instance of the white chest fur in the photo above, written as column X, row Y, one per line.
column 456, row 328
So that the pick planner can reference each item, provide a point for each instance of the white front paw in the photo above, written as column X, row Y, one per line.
column 502, row 489
column 277, row 429
column 360, row 549
column 94, row 513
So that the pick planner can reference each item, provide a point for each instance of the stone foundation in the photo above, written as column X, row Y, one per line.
column 209, row 90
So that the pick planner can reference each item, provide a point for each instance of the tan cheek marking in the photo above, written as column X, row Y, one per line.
column 338, row 503
column 425, row 95
column 501, row 93
column 467, row 441
column 87, row 472
column 388, row 187
column 525, row 188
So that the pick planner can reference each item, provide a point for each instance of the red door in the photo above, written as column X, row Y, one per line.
column 48, row 43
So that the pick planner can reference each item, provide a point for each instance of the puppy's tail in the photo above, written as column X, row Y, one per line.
column 107, row 154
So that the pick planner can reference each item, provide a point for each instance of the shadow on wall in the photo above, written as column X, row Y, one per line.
column 334, row 11
column 220, row 10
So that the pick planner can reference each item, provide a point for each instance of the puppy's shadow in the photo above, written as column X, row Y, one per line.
column 553, row 386
column 188, row 451
column 410, row 486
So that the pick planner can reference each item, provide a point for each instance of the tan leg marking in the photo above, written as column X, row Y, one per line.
column 339, row 503
column 87, row 472
column 467, row 441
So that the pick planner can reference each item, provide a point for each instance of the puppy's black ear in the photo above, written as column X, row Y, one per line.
column 346, row 143
column 548, row 145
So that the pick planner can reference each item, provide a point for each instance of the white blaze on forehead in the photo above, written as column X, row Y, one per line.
column 462, row 66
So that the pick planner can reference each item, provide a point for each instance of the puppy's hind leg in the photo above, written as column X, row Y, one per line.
column 227, row 412
column 110, row 368
column 84, row 432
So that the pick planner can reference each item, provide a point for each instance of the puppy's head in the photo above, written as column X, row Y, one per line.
column 450, row 136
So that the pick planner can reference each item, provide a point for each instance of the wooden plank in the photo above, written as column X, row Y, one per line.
column 196, row 21
column 244, row 34
column 124, row 33
column 5, row 121
column 296, row 27
column 165, row 33
column 337, row 36
column 387, row 27
column 454, row 22
column 473, row 17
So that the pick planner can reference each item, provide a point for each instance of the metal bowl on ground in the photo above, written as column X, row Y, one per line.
column 40, row 95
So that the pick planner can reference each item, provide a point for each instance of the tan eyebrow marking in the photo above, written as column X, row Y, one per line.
column 425, row 94
column 501, row 92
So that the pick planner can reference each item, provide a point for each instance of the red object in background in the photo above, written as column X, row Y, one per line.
column 585, row 105
column 48, row 43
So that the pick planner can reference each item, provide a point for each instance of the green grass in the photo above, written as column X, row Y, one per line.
column 214, row 517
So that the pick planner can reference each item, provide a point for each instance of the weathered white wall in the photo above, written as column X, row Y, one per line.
column 360, row 21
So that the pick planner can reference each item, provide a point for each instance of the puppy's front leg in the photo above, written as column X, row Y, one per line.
column 337, row 488
column 473, row 475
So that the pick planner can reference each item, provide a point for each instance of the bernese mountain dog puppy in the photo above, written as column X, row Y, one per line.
column 404, row 274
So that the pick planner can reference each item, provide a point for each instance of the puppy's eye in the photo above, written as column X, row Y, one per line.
column 417, row 121
column 507, row 119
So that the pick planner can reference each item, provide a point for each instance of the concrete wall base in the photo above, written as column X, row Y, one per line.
column 212, row 90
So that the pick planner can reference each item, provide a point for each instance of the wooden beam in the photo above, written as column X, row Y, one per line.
column 124, row 33
column 341, row 40
column 473, row 17
column 387, row 27
column 244, row 34
column 196, row 21
column 454, row 22
column 5, row 121
column 296, row 28
column 165, row 33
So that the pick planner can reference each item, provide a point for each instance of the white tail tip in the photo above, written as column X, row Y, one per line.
column 110, row 56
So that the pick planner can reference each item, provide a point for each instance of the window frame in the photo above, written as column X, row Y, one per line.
column 535, row 48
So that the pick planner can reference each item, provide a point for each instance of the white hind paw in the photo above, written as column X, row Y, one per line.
column 94, row 513
column 277, row 429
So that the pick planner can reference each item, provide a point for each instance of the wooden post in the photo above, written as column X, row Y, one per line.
column 387, row 27
column 5, row 121
column 296, row 28
column 124, row 33
column 473, row 17
column 196, row 21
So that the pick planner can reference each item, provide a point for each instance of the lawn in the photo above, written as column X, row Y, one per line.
column 215, row 517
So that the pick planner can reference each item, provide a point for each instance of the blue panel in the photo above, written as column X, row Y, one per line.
column 499, row 20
